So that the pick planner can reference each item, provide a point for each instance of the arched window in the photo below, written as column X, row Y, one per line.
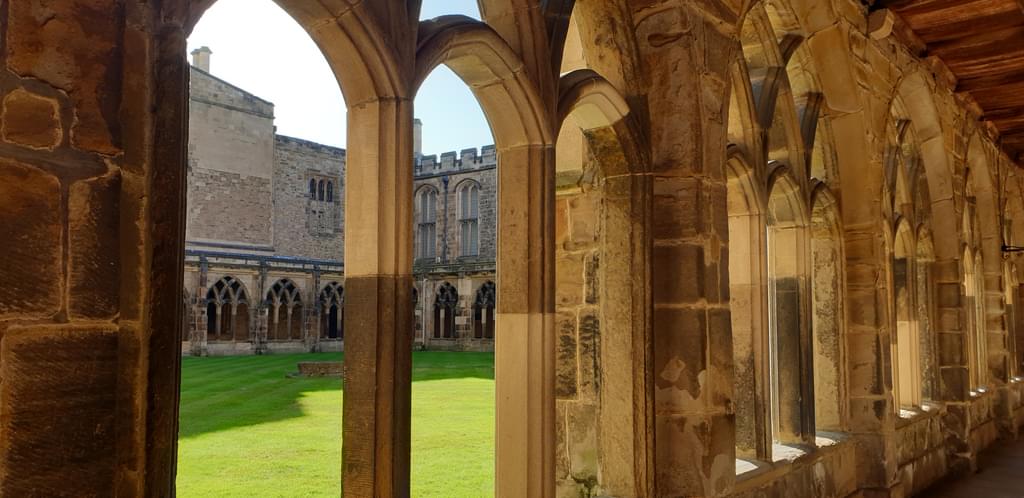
column 469, row 219
column 284, row 309
column 426, row 229
column 483, row 312
column 320, row 190
column 791, row 391
column 227, row 311
column 906, row 343
column 312, row 189
column 330, row 191
column 445, row 308
column 332, row 306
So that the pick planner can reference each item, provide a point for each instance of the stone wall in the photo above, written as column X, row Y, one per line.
column 304, row 227
column 231, row 164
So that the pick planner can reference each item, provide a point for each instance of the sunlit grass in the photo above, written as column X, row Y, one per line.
column 248, row 430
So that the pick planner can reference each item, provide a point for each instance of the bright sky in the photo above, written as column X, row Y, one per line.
column 259, row 48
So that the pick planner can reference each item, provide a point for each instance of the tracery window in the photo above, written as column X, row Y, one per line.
column 426, row 229
column 332, row 307
column 445, row 308
column 330, row 191
column 320, row 190
column 469, row 219
column 227, row 311
column 906, row 343
column 483, row 312
column 284, row 311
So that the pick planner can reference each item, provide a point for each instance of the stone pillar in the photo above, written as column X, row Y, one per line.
column 954, row 383
column 694, row 426
column 524, row 337
column 92, row 208
column 378, row 282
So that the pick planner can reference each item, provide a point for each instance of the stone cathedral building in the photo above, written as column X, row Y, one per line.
column 265, row 234
column 745, row 248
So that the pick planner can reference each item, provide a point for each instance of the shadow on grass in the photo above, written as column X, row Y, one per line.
column 224, row 393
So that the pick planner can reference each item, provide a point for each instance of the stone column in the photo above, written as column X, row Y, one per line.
column 378, row 282
column 92, row 206
column 694, row 426
column 524, row 336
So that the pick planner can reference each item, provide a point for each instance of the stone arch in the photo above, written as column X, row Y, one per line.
column 284, row 311
column 446, row 306
column 228, row 301
column 483, row 311
column 365, row 70
column 598, row 159
column 827, row 311
column 332, row 307
column 522, row 129
column 742, row 127
column 913, row 100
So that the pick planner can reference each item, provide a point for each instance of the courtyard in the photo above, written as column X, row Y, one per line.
column 250, row 430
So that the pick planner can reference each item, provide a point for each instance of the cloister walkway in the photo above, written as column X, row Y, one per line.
column 1000, row 475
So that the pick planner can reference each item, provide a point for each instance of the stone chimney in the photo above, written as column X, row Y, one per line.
column 417, row 138
column 201, row 58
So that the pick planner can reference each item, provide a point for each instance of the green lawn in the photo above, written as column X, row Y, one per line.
column 247, row 430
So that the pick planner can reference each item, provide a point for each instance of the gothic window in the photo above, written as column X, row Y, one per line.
column 227, row 311
column 284, row 311
column 426, row 230
column 312, row 189
column 445, row 305
column 483, row 312
column 332, row 304
column 469, row 219
column 905, row 357
column 330, row 191
column 320, row 190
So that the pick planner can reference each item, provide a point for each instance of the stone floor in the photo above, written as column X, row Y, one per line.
column 1000, row 475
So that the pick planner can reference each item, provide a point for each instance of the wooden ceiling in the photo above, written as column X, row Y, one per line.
column 982, row 44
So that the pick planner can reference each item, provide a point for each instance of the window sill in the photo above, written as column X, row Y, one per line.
column 751, row 473
column 910, row 415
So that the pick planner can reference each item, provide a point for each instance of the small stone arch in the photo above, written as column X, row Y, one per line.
column 446, row 304
column 284, row 311
column 483, row 311
column 332, row 309
column 227, row 311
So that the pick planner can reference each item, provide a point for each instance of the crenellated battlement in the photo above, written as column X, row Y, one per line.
column 452, row 162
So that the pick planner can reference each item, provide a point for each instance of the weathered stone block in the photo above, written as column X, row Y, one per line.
column 30, row 215
column 679, row 274
column 88, row 33
column 566, row 359
column 94, row 217
column 679, row 357
column 31, row 120
column 57, row 412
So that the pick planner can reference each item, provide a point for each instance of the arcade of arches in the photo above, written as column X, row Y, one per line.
column 745, row 248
